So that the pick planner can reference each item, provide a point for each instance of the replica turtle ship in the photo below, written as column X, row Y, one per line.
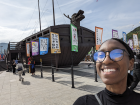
column 86, row 40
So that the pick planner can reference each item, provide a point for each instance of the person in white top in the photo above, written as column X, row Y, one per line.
column 20, row 69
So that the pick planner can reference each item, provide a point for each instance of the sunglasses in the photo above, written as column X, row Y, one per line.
column 115, row 55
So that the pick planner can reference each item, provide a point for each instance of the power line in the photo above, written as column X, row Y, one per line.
column 36, row 21
column 61, row 12
column 29, row 21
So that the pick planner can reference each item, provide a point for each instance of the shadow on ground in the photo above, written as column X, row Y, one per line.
column 25, row 83
column 90, row 88
column 55, row 78
column 81, row 73
column 37, row 76
column 68, row 82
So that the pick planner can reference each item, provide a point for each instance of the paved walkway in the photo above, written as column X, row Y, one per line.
column 42, row 91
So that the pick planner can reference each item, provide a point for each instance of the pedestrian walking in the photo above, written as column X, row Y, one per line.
column 32, row 66
column 136, row 72
column 20, row 69
column 113, row 60
column 13, row 65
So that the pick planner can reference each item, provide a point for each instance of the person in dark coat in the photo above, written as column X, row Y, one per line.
column 113, row 60
column 136, row 72
column 13, row 65
column 32, row 66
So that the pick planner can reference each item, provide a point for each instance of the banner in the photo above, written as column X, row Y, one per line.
column 34, row 48
column 135, row 40
column 28, row 49
column 74, row 38
column 115, row 34
column 131, row 44
column 98, row 37
column 55, row 43
column 124, row 37
column 43, row 45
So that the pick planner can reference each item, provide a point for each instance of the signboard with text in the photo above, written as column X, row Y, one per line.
column 35, row 48
column 55, row 43
column 43, row 45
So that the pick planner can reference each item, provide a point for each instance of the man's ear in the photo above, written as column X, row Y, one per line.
column 131, row 64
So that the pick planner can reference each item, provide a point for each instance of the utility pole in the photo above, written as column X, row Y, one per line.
column 39, row 15
column 53, row 12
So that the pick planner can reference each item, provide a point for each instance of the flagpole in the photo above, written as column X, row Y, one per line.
column 53, row 12
column 39, row 15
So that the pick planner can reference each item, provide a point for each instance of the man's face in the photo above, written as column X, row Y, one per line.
column 119, row 70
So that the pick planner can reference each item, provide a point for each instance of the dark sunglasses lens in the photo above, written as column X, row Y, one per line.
column 99, row 56
column 116, row 54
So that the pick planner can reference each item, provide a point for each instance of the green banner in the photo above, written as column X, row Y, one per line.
column 74, row 38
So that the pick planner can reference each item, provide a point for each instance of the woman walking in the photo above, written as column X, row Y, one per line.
column 32, row 66
column 14, row 65
column 20, row 69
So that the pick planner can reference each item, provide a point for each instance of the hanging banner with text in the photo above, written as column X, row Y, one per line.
column 135, row 40
column 55, row 43
column 131, row 44
column 124, row 37
column 115, row 34
column 35, row 48
column 43, row 45
column 74, row 38
column 28, row 49
column 98, row 37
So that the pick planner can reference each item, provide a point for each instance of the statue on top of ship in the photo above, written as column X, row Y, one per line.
column 76, row 18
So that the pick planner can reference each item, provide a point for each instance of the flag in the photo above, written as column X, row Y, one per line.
column 28, row 49
column 135, row 41
column 74, row 38
column 115, row 34
column 131, row 44
column 98, row 37
column 124, row 37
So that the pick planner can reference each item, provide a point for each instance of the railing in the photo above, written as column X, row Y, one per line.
column 16, row 46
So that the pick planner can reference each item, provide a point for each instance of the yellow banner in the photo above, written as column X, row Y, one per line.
column 55, row 43
column 135, row 41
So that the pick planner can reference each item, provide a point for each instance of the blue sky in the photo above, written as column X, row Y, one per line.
column 19, row 18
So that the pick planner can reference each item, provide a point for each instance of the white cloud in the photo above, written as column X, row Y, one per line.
column 15, row 16
column 9, row 34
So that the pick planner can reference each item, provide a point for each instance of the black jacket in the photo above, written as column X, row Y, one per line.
column 108, row 98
